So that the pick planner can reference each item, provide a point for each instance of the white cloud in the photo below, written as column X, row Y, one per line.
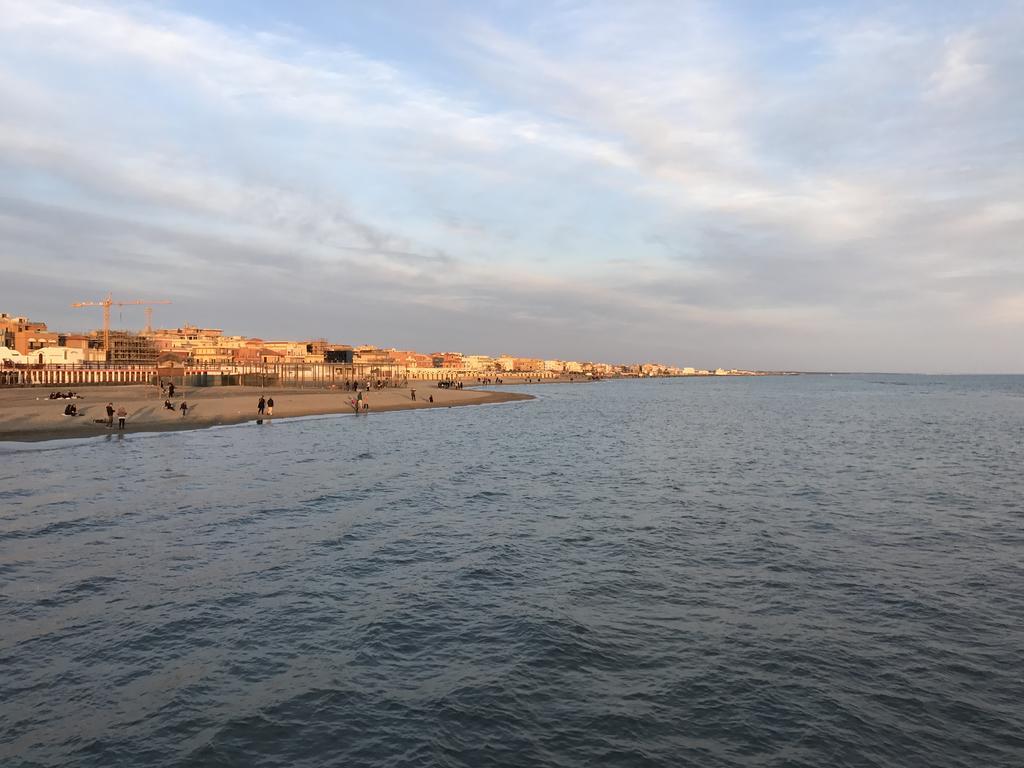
column 722, row 177
column 961, row 68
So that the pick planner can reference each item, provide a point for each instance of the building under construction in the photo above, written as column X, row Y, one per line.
column 131, row 349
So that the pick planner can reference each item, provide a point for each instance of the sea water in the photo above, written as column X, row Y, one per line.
column 792, row 571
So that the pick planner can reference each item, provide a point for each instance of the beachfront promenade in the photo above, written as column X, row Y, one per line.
column 280, row 374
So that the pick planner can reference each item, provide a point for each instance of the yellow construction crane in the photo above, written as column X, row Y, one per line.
column 107, row 303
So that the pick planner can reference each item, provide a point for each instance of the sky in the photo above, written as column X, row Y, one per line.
column 785, row 185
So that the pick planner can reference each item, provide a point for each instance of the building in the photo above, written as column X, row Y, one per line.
column 184, row 343
column 339, row 354
column 8, row 325
column 129, row 349
column 27, row 336
column 528, row 365
column 9, row 356
column 478, row 362
column 447, row 360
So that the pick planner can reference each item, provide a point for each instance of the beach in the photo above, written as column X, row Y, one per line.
column 28, row 415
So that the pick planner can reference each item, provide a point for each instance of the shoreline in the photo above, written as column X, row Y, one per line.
column 25, row 417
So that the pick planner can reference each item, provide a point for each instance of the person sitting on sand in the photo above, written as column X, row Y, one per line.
column 168, row 405
column 69, row 409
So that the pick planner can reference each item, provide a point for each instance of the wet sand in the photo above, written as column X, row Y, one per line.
column 27, row 415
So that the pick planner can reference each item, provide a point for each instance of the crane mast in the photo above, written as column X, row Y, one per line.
column 108, row 302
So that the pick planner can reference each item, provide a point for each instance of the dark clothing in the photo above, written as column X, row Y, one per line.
column 110, row 415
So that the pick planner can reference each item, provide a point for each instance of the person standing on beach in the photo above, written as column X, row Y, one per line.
column 412, row 394
column 270, row 406
column 110, row 414
column 170, row 389
column 261, row 405
column 122, row 414
column 184, row 409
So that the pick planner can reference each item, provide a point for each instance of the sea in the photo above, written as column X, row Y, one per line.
column 777, row 571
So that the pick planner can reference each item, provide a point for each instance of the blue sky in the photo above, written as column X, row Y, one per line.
column 774, row 185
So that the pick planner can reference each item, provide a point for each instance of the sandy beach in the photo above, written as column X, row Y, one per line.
column 27, row 415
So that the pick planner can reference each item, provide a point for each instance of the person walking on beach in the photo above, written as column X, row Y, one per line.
column 184, row 409
column 110, row 414
column 170, row 389
column 412, row 394
column 270, row 406
column 261, row 405
column 122, row 414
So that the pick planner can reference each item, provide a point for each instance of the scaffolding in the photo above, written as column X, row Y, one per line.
column 128, row 349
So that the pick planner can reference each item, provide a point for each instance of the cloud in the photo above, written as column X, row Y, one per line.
column 688, row 182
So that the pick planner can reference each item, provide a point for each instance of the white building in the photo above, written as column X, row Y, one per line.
column 478, row 362
column 57, row 356
column 8, row 355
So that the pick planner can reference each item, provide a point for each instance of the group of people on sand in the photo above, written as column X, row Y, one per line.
column 122, row 415
column 167, row 389
column 412, row 396
column 70, row 409
column 169, row 406
column 265, row 406
column 355, row 386
column 448, row 384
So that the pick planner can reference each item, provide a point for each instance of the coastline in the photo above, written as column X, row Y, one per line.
column 28, row 416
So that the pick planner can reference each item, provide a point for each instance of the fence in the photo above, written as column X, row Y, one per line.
column 60, row 375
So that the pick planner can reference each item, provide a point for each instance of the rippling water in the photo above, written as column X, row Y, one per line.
column 812, row 571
